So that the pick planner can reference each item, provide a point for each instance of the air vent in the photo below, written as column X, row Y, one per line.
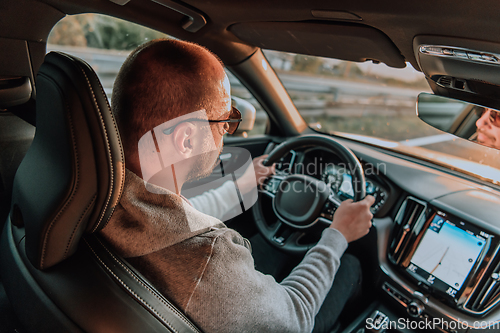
column 453, row 83
column 487, row 294
column 445, row 81
column 410, row 219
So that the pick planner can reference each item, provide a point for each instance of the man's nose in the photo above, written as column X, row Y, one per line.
column 484, row 120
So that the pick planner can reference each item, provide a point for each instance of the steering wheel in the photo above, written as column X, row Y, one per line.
column 302, row 202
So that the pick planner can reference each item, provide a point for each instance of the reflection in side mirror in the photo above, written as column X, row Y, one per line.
column 247, row 115
column 465, row 120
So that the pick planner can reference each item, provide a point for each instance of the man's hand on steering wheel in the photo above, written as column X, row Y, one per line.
column 262, row 172
column 353, row 219
column 301, row 204
column 257, row 175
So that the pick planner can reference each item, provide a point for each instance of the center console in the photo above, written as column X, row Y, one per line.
column 441, row 268
column 447, row 257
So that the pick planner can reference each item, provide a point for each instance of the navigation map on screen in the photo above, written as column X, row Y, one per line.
column 447, row 252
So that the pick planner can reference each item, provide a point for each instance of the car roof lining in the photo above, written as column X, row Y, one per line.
column 32, row 20
column 347, row 41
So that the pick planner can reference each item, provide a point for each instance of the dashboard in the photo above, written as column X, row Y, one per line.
column 437, row 234
column 446, row 256
column 438, row 244
column 323, row 165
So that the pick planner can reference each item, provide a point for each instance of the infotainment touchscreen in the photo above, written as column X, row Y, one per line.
column 446, row 254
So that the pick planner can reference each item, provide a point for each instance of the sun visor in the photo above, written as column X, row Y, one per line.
column 354, row 42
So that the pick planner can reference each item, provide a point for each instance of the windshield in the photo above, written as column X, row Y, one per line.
column 376, row 104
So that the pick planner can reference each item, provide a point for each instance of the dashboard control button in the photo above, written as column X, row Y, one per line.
column 415, row 308
column 379, row 321
column 460, row 54
column 397, row 295
column 488, row 58
column 327, row 216
column 280, row 240
column 425, row 287
column 474, row 56
column 448, row 52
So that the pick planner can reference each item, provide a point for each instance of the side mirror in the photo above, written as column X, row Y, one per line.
column 469, row 121
column 247, row 115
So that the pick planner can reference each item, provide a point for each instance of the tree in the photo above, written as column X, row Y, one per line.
column 309, row 64
column 68, row 31
column 100, row 31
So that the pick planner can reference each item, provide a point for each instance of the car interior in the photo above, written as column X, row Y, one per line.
column 432, row 255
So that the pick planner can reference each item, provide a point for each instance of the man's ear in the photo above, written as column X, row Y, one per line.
column 183, row 137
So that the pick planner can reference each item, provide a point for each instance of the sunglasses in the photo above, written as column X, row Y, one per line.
column 230, row 124
column 494, row 116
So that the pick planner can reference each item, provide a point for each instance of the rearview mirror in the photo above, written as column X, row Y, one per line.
column 466, row 120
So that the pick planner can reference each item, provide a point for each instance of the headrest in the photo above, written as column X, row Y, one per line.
column 72, row 176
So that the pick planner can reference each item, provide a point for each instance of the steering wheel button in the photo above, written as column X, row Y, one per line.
column 280, row 240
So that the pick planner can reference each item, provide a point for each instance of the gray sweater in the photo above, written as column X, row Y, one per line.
column 207, row 269
column 218, row 202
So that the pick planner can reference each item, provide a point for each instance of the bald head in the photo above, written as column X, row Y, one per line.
column 162, row 80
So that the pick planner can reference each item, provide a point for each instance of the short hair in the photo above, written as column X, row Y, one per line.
column 161, row 80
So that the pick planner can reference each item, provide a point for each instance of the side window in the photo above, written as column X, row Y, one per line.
column 102, row 41
column 238, row 90
column 105, row 42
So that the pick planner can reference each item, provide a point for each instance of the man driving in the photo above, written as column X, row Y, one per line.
column 172, row 105
column 488, row 127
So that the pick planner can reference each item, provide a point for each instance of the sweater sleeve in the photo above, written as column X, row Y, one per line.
column 231, row 296
column 217, row 202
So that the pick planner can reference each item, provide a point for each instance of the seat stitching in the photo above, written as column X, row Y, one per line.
column 77, row 181
column 78, row 65
column 122, row 158
column 130, row 290
column 108, row 199
column 180, row 316
column 79, row 221
column 120, row 186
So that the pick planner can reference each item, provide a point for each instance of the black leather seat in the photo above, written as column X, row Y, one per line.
column 58, row 274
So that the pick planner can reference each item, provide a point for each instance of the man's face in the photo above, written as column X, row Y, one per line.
column 488, row 133
column 207, row 161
